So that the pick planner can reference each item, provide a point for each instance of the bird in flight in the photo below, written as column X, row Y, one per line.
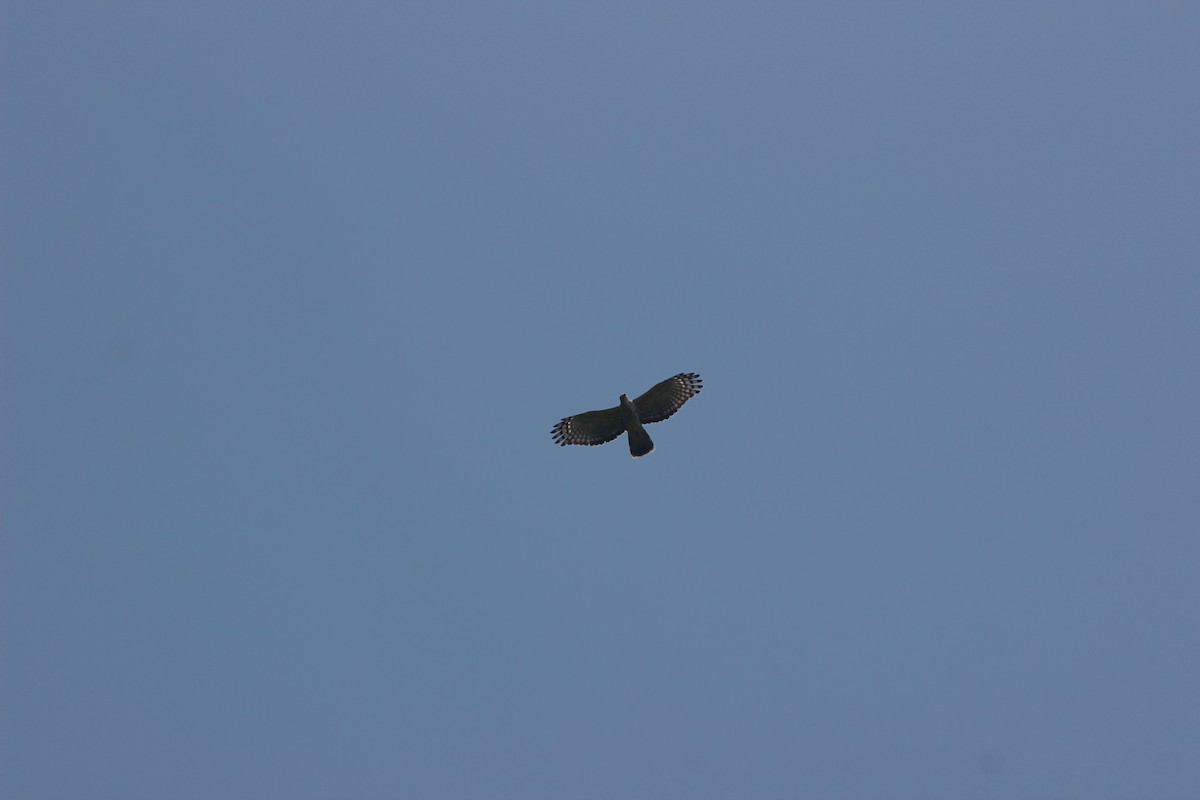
column 598, row 427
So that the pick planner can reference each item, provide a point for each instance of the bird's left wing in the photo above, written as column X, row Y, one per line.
column 590, row 427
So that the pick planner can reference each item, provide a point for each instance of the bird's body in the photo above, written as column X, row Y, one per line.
column 599, row 427
column 639, row 441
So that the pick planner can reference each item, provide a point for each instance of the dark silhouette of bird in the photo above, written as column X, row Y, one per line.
column 598, row 427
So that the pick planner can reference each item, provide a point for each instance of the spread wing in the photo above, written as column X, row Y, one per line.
column 590, row 428
column 667, row 397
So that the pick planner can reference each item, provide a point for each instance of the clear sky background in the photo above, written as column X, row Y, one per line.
column 294, row 292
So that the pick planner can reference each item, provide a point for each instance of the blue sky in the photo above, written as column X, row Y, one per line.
column 293, row 294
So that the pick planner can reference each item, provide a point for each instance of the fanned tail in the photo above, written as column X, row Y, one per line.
column 639, row 442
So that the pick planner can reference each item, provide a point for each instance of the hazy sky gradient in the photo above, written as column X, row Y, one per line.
column 294, row 292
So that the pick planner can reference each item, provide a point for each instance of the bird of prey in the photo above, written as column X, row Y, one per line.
column 598, row 427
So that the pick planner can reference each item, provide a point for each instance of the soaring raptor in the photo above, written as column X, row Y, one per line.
column 599, row 427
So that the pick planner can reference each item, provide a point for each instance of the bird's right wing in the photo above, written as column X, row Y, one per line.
column 590, row 428
column 667, row 397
